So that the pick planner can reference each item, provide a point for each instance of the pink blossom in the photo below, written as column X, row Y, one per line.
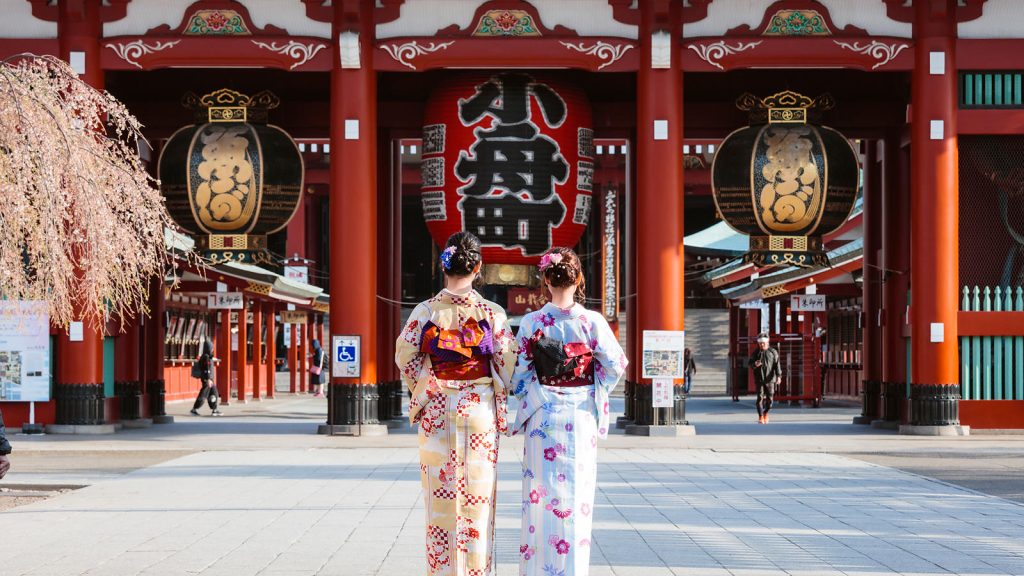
column 550, row 454
column 562, row 547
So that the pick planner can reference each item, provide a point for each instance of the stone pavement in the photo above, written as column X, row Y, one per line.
column 255, row 492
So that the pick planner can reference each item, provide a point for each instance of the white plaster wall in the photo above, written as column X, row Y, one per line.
column 16, row 21
column 870, row 15
column 143, row 15
column 425, row 17
column 1000, row 19
column 587, row 17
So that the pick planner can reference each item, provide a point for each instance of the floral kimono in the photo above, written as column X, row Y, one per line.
column 456, row 355
column 562, row 418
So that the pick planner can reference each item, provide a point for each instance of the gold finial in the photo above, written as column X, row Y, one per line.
column 786, row 107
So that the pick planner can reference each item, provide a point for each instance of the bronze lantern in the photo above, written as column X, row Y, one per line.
column 231, row 179
column 785, row 180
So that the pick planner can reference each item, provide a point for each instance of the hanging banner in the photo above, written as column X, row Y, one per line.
column 524, row 300
column 224, row 300
column 297, row 273
column 24, row 351
column 610, row 254
column 294, row 316
column 807, row 303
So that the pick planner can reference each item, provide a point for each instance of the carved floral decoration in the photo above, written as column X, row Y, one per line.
column 506, row 23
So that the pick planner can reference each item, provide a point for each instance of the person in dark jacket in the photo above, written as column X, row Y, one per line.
column 208, row 393
column 767, row 375
column 689, row 369
column 5, row 449
column 316, row 380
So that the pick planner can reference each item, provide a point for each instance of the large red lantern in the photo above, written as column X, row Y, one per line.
column 510, row 158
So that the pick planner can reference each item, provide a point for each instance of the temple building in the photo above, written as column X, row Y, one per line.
column 843, row 174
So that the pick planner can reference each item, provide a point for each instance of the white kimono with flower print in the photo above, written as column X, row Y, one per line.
column 562, row 426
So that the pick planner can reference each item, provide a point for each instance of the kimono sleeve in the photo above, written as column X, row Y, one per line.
column 530, row 395
column 503, row 361
column 611, row 365
column 413, row 364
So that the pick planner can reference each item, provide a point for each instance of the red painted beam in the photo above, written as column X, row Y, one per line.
column 992, row 414
column 990, row 54
column 990, row 121
column 419, row 54
column 990, row 323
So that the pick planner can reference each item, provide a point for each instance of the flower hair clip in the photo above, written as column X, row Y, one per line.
column 549, row 260
column 446, row 257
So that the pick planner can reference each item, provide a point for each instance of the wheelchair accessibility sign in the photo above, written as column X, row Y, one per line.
column 345, row 362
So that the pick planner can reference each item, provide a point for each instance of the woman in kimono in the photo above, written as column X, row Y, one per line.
column 456, row 355
column 569, row 361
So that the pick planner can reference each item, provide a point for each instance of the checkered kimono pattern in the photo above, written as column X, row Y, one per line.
column 459, row 425
column 562, row 426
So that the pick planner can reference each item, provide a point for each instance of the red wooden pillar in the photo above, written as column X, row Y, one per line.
column 223, row 352
column 271, row 350
column 871, row 356
column 80, row 363
column 293, row 359
column 896, row 261
column 258, row 374
column 304, row 350
column 353, row 200
column 243, row 361
column 659, row 128
column 808, row 355
column 934, row 229
column 154, row 363
column 753, row 329
column 127, row 378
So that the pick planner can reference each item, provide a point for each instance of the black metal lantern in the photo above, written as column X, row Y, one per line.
column 231, row 179
column 783, row 181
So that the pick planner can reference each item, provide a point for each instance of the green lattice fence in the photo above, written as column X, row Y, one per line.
column 992, row 367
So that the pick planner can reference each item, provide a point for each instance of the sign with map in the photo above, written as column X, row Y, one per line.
column 24, row 351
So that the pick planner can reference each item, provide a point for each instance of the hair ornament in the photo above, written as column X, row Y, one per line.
column 549, row 260
column 446, row 257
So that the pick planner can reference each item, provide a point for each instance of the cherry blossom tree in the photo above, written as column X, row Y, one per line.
column 82, row 223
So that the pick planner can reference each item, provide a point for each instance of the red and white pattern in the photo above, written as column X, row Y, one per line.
column 460, row 423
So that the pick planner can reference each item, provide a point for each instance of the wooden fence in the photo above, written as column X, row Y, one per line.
column 992, row 367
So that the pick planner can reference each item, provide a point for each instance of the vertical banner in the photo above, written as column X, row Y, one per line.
column 610, row 255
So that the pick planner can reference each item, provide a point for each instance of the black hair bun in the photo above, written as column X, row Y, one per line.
column 465, row 255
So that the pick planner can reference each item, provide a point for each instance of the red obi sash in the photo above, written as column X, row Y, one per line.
column 470, row 369
column 460, row 354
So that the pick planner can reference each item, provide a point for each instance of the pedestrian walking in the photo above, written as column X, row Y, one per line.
column 202, row 368
column 316, row 369
column 767, row 375
column 5, row 449
column 569, row 362
column 689, row 369
column 456, row 355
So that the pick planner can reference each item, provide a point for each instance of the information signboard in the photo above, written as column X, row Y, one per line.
column 24, row 351
column 345, row 357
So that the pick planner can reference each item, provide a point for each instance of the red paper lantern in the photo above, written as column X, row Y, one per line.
column 510, row 158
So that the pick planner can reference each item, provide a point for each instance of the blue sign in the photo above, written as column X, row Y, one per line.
column 346, row 357
column 346, row 354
